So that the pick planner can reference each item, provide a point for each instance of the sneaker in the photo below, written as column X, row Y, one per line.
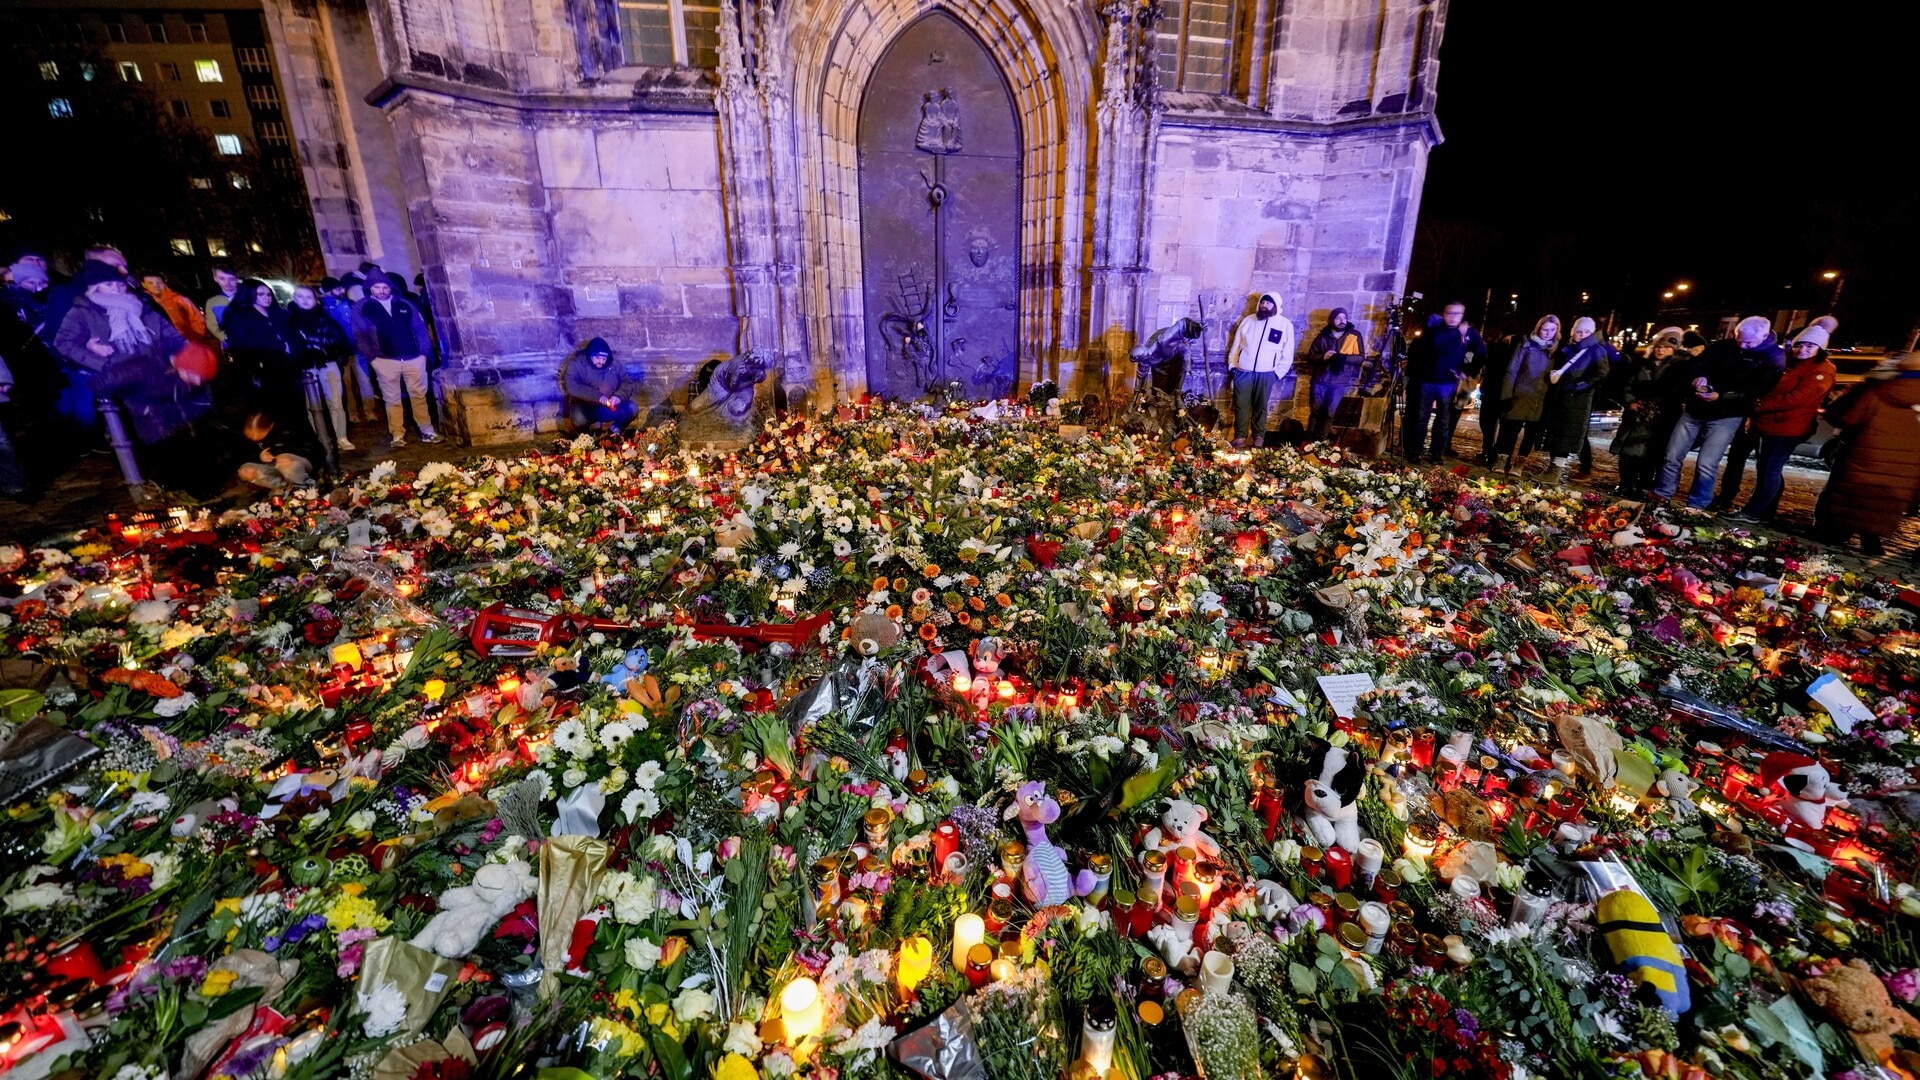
column 346, row 444
column 429, row 437
column 1745, row 518
column 398, row 444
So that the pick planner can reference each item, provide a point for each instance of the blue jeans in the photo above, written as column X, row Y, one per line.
column 1326, row 394
column 1715, row 436
column 1429, row 401
column 76, row 401
column 1252, row 394
column 1774, row 452
column 585, row 415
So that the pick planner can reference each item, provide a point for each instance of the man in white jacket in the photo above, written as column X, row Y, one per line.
column 1261, row 356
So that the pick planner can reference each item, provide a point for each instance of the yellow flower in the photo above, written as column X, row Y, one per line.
column 735, row 1067
column 231, row 903
column 217, row 983
column 627, row 1001
column 347, row 912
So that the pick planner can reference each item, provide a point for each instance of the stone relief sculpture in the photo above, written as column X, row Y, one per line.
column 939, row 130
column 724, row 415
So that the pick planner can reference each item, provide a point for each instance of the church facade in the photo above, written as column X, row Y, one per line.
column 892, row 196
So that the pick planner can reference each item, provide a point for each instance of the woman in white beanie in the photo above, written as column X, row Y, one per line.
column 1579, row 368
column 1786, row 415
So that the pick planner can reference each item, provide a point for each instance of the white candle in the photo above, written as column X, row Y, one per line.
column 800, row 1009
column 968, row 930
column 1216, row 972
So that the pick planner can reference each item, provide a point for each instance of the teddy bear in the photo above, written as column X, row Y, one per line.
column 1332, row 794
column 872, row 633
column 631, row 666
column 1678, row 788
column 1180, row 826
column 1853, row 995
column 1592, row 742
column 1809, row 788
column 1174, row 943
column 468, row 912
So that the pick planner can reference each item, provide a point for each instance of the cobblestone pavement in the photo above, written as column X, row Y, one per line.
column 92, row 489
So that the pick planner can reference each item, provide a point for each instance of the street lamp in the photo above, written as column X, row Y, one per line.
column 1668, row 295
column 1839, row 280
column 1830, row 274
column 1683, row 286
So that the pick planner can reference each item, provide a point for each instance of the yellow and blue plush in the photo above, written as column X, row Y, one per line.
column 1642, row 950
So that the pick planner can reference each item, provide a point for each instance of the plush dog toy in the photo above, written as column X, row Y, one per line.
column 1809, row 788
column 1332, row 793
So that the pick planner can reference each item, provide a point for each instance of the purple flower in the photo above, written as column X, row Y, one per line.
column 1904, row 984
column 272, row 944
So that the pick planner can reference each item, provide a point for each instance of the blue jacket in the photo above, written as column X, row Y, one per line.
column 397, row 334
column 1441, row 354
column 341, row 309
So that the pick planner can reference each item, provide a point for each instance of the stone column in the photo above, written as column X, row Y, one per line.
column 1127, row 123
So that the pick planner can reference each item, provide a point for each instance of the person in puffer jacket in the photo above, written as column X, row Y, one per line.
column 598, row 390
column 1788, row 413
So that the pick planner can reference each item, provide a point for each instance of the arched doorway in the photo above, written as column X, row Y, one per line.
column 940, row 217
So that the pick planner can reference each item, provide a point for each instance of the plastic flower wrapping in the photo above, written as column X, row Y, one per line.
column 939, row 744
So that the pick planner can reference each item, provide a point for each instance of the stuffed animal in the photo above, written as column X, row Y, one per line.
column 1809, row 788
column 631, row 666
column 873, row 633
column 468, row 912
column 1174, row 943
column 1678, row 789
column 1273, row 899
column 300, row 794
column 1631, row 536
column 1332, row 793
column 988, row 653
column 1043, row 877
column 1853, row 995
column 1592, row 742
column 1467, row 812
column 1641, row 948
column 1180, row 826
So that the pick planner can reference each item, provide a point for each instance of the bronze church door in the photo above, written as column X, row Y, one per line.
column 940, row 217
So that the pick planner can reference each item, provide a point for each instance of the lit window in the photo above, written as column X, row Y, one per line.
column 49, row 70
column 170, row 72
column 667, row 33
column 216, row 248
column 179, row 109
column 219, row 108
column 129, row 71
column 228, row 145
column 197, row 31
column 59, row 107
column 239, row 180
column 272, row 133
column 88, row 72
column 204, row 183
column 158, row 32
column 263, row 96
column 116, row 33
column 182, row 247
column 207, row 71
column 1196, row 45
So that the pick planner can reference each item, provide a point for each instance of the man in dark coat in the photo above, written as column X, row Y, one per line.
column 1435, row 361
column 598, row 390
column 390, row 330
column 1729, row 376
column 1334, row 360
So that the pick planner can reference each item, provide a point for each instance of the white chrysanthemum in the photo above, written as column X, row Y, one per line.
column 614, row 735
column 648, row 774
column 386, row 1009
column 640, row 805
column 570, row 738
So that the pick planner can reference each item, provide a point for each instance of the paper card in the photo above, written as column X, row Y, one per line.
column 360, row 533
column 1343, row 691
column 1838, row 699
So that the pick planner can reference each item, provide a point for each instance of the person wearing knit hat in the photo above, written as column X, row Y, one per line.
column 1579, row 368
column 1877, row 476
column 1788, row 413
column 1652, row 395
column 598, row 390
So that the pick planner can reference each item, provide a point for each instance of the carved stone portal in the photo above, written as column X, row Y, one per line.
column 940, row 220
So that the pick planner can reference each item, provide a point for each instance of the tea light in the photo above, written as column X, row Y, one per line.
column 962, row 682
column 435, row 690
column 348, row 654
column 801, row 1009
column 968, row 930
column 1419, row 843
column 1003, row 969
column 916, row 963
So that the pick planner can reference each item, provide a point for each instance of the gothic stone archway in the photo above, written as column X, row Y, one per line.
column 940, row 217
column 1046, row 54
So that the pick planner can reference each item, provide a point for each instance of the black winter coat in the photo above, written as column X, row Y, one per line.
column 317, row 337
column 1740, row 376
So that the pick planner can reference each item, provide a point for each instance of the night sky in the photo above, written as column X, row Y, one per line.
column 1618, row 149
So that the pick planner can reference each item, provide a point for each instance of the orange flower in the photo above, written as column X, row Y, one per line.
column 994, row 621
column 972, row 582
column 893, row 612
column 976, row 603
column 1003, row 600
column 964, row 619
column 931, row 570
column 880, row 584
column 899, row 584
column 927, row 632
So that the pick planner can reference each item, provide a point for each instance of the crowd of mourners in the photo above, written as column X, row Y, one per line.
column 1749, row 396
column 245, row 384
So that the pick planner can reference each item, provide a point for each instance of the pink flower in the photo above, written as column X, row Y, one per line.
column 1904, row 984
column 728, row 848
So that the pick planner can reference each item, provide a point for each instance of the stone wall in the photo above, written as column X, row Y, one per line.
column 553, row 194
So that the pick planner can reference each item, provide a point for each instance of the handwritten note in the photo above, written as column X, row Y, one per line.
column 1839, row 700
column 1343, row 691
